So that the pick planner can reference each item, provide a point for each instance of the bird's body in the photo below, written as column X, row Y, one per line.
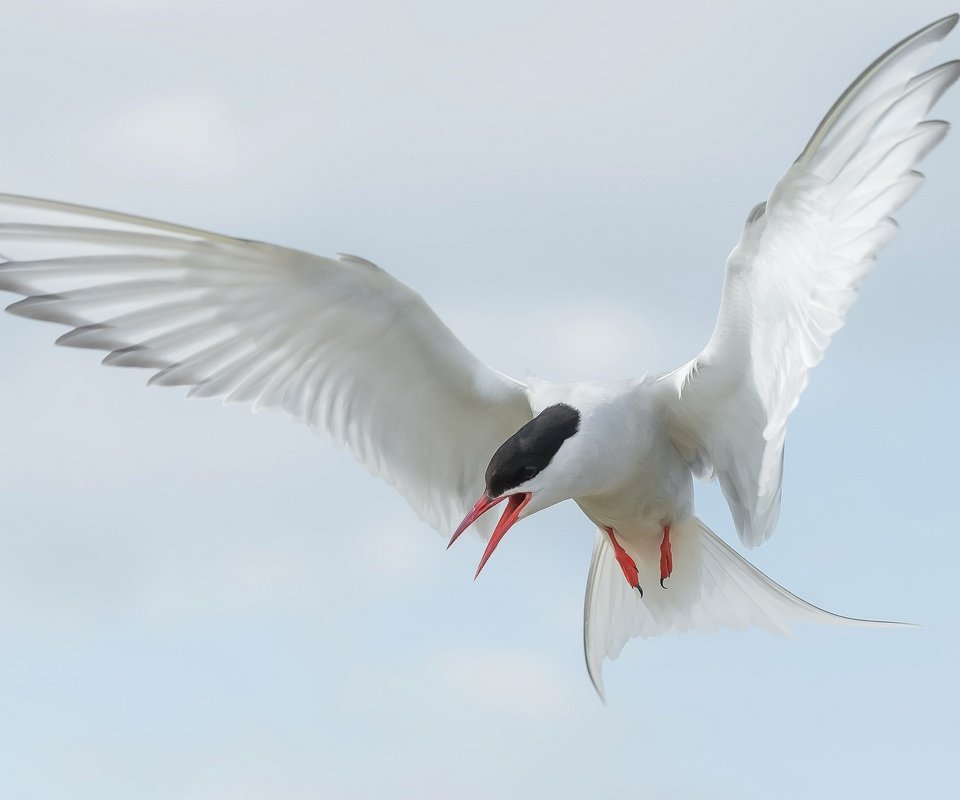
column 628, row 472
column 346, row 348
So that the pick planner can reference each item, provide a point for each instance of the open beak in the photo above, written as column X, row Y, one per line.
column 515, row 504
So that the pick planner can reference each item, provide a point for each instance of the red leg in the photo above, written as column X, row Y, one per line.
column 666, row 555
column 627, row 564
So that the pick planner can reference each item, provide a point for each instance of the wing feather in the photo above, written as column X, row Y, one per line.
column 796, row 271
column 336, row 343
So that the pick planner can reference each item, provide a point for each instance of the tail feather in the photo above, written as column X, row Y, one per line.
column 711, row 587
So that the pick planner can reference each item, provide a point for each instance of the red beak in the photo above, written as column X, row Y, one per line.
column 515, row 504
column 482, row 506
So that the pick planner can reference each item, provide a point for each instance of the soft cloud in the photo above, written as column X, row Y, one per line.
column 180, row 132
column 502, row 682
column 395, row 556
column 561, row 338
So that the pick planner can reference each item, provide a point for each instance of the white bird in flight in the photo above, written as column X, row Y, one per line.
column 346, row 348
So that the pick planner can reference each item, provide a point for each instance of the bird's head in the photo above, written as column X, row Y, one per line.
column 526, row 472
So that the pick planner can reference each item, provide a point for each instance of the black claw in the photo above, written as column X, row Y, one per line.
column 661, row 582
column 639, row 588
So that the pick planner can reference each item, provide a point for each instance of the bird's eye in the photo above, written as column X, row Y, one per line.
column 529, row 472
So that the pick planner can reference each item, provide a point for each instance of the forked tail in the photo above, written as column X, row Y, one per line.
column 711, row 587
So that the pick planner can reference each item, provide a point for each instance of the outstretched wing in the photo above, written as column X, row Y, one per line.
column 336, row 343
column 795, row 272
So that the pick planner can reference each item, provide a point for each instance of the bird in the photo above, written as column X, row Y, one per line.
column 341, row 345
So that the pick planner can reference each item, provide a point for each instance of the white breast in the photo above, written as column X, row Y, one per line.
column 627, row 472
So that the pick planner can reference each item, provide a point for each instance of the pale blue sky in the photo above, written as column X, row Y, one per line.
column 199, row 604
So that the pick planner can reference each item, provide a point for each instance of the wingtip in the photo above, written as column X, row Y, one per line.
column 942, row 26
column 934, row 32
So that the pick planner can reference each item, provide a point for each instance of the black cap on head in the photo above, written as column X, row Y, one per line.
column 531, row 448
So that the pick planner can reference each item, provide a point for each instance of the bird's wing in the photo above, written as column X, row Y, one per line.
column 336, row 343
column 795, row 272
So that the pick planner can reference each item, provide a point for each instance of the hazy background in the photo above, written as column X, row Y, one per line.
column 199, row 603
